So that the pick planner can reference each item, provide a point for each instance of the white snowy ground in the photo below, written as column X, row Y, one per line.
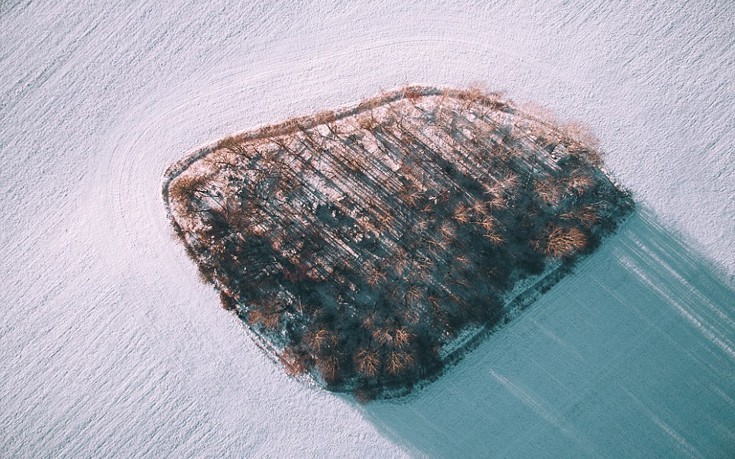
column 110, row 346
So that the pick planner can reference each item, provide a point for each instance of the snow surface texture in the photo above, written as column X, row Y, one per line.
column 111, row 346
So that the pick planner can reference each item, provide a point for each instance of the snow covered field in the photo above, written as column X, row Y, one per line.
column 111, row 346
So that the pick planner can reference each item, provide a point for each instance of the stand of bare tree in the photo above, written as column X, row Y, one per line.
column 360, row 243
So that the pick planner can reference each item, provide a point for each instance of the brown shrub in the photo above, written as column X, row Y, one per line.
column 400, row 261
column 411, row 315
column 509, row 181
column 412, row 93
column 367, row 362
column 375, row 275
column 497, row 202
column 296, row 363
column 398, row 362
column 366, row 121
column 561, row 242
column 382, row 336
column 234, row 145
column 267, row 312
column 488, row 223
column 494, row 237
column 183, row 187
column 320, row 340
column 586, row 215
column 580, row 182
column 402, row 337
column 462, row 213
column 414, row 295
column 328, row 367
column 226, row 300
column 549, row 191
column 327, row 116
column 475, row 92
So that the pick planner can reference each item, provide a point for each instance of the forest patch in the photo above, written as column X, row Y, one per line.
column 366, row 247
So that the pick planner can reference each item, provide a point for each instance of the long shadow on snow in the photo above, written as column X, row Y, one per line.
column 633, row 354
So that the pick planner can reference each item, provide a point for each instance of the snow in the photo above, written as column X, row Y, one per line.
column 111, row 346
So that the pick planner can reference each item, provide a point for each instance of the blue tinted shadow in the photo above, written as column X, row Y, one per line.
column 631, row 355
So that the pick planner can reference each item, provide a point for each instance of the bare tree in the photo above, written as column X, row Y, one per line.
column 562, row 242
column 367, row 362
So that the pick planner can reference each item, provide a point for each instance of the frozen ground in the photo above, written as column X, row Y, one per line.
column 110, row 345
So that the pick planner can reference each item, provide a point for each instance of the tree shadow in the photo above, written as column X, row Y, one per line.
column 631, row 355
